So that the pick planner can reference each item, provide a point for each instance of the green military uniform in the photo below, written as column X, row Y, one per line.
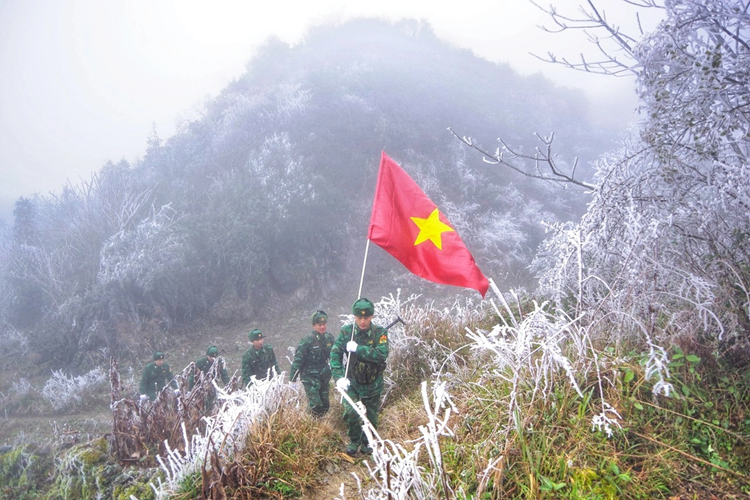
column 204, row 363
column 365, row 373
column 155, row 377
column 311, row 366
column 259, row 362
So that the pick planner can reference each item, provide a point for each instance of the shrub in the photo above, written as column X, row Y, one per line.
column 66, row 393
column 21, row 399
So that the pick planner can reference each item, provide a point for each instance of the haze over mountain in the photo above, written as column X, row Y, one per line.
column 266, row 196
column 85, row 82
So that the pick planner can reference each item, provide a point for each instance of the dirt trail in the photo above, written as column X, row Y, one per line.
column 329, row 487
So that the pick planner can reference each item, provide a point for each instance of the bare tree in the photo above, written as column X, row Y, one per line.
column 614, row 56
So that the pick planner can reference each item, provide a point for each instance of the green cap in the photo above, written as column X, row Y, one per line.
column 212, row 351
column 158, row 355
column 363, row 308
column 319, row 317
column 255, row 335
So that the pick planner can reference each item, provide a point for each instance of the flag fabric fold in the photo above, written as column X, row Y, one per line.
column 410, row 227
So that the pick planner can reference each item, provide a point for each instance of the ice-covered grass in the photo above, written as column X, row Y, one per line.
column 224, row 437
column 524, row 359
column 395, row 468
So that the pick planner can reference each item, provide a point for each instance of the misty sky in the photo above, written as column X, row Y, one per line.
column 83, row 82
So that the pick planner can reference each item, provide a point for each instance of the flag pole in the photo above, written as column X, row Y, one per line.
column 354, row 324
column 362, row 279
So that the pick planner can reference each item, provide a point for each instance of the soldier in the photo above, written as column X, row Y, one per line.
column 155, row 377
column 204, row 364
column 258, row 360
column 367, row 348
column 311, row 364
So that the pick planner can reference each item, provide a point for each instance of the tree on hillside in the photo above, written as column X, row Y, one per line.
column 23, row 300
column 665, row 239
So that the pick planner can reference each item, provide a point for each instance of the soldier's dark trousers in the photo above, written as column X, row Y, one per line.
column 369, row 395
column 317, row 391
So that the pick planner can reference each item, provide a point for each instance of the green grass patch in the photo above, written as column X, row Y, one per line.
column 695, row 441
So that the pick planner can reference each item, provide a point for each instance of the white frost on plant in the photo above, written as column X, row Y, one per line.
column 226, row 432
column 395, row 469
column 606, row 420
column 527, row 350
column 657, row 366
column 529, row 344
column 67, row 392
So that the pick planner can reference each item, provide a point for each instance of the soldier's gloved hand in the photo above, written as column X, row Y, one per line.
column 176, row 392
column 351, row 346
column 144, row 398
column 342, row 383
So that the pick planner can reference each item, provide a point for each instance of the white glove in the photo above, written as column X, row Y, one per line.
column 351, row 346
column 144, row 398
column 176, row 392
column 342, row 383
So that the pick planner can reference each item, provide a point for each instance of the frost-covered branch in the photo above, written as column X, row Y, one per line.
column 541, row 165
column 591, row 19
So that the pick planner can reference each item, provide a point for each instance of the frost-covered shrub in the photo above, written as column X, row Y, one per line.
column 20, row 387
column 143, row 256
column 534, row 351
column 13, row 343
column 67, row 393
column 630, row 256
column 663, row 248
column 21, row 398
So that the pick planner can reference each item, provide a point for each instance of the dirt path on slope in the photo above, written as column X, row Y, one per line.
column 330, row 482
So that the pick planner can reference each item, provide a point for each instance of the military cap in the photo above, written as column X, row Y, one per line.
column 255, row 335
column 158, row 355
column 212, row 351
column 363, row 308
column 319, row 317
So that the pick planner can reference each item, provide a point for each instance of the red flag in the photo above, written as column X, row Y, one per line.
column 409, row 226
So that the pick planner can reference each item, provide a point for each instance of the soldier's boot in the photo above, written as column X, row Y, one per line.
column 365, row 448
column 351, row 449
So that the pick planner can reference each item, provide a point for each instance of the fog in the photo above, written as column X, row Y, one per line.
column 87, row 82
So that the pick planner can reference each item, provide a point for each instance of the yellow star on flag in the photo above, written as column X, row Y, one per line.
column 430, row 229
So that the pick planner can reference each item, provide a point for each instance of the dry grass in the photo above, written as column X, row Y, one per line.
column 284, row 456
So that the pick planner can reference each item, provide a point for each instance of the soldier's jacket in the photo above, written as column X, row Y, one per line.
column 311, row 356
column 154, row 378
column 368, row 363
column 257, row 362
column 204, row 364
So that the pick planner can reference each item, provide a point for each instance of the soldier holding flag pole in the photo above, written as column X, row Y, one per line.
column 409, row 226
column 366, row 346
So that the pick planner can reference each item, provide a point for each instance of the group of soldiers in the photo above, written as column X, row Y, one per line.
column 356, row 360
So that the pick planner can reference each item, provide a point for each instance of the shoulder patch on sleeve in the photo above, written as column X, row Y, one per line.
column 383, row 339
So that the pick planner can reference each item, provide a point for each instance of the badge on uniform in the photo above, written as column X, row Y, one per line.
column 383, row 339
